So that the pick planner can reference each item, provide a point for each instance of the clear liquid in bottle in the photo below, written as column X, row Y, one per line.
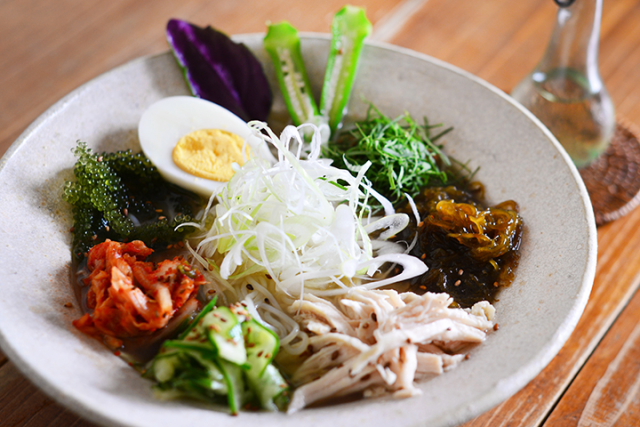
column 565, row 91
column 581, row 118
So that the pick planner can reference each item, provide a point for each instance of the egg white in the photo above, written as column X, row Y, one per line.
column 166, row 121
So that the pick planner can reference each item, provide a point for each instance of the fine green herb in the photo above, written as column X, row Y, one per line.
column 121, row 196
column 403, row 154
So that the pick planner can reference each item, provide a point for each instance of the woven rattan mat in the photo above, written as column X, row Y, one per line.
column 613, row 181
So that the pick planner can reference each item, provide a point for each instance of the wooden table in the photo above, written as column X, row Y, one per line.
column 49, row 48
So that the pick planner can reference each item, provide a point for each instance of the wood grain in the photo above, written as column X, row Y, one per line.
column 606, row 393
column 50, row 48
column 54, row 47
column 612, row 289
column 22, row 404
column 500, row 41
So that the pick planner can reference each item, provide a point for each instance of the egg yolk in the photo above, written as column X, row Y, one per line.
column 211, row 153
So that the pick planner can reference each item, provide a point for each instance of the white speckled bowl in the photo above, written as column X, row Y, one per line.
column 519, row 159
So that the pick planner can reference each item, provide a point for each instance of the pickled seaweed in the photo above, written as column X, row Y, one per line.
column 471, row 250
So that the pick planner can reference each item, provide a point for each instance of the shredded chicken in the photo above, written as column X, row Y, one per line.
column 381, row 341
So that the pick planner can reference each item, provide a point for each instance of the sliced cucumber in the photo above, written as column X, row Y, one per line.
column 211, row 362
column 236, row 389
column 225, row 333
column 265, row 379
column 164, row 368
column 262, row 346
column 205, row 310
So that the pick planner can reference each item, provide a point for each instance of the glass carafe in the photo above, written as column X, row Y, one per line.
column 565, row 91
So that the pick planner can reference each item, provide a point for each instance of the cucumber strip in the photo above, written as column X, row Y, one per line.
column 214, row 379
column 349, row 30
column 165, row 368
column 262, row 346
column 225, row 334
column 282, row 42
column 269, row 387
column 222, row 356
column 190, row 373
column 202, row 348
column 265, row 380
column 235, row 385
column 206, row 309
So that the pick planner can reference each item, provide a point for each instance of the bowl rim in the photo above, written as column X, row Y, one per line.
column 502, row 391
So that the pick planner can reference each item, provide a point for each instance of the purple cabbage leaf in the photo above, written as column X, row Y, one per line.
column 221, row 71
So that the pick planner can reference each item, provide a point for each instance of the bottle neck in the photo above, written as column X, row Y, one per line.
column 575, row 41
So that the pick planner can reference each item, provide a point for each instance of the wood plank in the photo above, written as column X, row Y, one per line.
column 23, row 404
column 613, row 287
column 503, row 43
column 63, row 44
column 606, row 393
column 480, row 36
column 620, row 58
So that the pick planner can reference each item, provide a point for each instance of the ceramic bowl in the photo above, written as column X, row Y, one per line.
column 518, row 159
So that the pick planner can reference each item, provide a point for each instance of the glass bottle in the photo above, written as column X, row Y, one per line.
column 565, row 91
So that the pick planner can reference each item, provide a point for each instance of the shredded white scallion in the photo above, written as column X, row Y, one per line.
column 302, row 221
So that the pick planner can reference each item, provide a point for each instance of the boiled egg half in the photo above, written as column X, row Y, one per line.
column 197, row 144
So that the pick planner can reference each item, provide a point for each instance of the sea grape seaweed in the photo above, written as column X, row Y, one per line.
column 121, row 196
